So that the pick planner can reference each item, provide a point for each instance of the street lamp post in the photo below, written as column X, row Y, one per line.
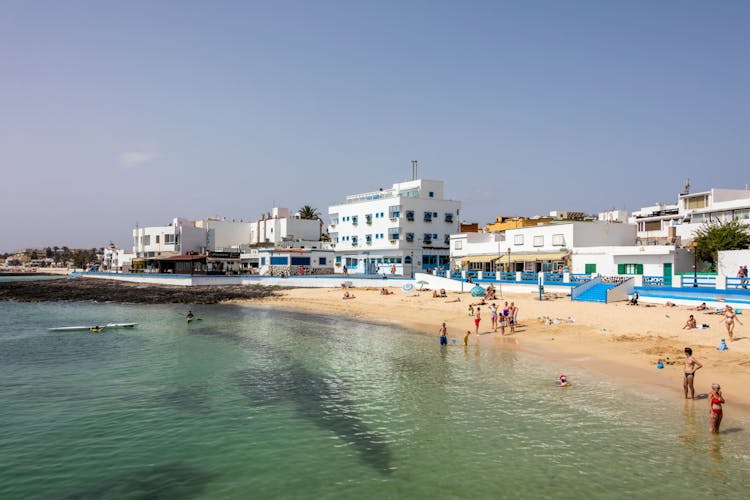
column 695, row 264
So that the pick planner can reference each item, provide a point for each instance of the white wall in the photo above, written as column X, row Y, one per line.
column 224, row 235
column 731, row 260
column 652, row 258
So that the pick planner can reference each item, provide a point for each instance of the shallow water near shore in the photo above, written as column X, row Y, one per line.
column 254, row 402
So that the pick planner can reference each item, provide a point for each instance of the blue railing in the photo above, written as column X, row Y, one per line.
column 738, row 283
column 528, row 276
column 553, row 277
column 508, row 276
column 699, row 281
column 579, row 278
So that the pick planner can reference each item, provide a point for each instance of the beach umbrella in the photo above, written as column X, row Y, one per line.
column 422, row 283
column 478, row 291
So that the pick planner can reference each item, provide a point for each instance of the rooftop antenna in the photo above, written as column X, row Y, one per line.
column 414, row 170
column 686, row 189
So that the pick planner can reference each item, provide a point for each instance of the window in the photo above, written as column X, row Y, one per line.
column 448, row 217
column 355, row 220
column 427, row 238
column 279, row 261
column 393, row 234
column 653, row 225
column 696, row 202
column 428, row 216
column 518, row 239
column 321, row 261
column 410, row 215
column 368, row 218
column 368, row 238
column 338, row 259
column 334, row 219
column 629, row 268
column 447, row 239
column 394, row 212
column 351, row 263
column 354, row 240
column 590, row 268
column 407, row 259
column 432, row 194
column 157, row 239
column 409, row 237
column 146, row 240
column 558, row 240
column 539, row 241
column 458, row 245
column 262, row 261
column 169, row 239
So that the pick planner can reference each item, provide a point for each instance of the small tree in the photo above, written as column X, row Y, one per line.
column 715, row 236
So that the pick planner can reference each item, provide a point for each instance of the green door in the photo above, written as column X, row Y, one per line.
column 590, row 268
column 667, row 274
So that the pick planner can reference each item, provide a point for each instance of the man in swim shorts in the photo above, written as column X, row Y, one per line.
column 443, row 334
column 477, row 319
column 692, row 365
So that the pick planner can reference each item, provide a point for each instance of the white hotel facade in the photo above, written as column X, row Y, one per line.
column 405, row 228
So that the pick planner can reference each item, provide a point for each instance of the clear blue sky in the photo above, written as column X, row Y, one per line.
column 113, row 113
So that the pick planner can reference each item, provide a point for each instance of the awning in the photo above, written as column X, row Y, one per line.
column 480, row 258
column 533, row 257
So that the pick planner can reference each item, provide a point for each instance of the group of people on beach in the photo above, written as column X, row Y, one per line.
column 715, row 398
column 729, row 316
column 500, row 319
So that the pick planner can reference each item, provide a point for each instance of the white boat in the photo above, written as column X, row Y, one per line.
column 78, row 328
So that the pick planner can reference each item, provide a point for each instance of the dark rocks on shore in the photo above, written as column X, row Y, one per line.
column 83, row 289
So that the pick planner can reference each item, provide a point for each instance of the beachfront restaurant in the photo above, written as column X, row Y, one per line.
column 210, row 263
column 517, row 262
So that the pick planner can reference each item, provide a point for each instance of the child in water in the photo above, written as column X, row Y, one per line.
column 466, row 337
column 563, row 381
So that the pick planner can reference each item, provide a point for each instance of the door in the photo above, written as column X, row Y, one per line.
column 590, row 268
column 667, row 273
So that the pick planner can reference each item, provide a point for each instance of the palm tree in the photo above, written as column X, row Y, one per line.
column 309, row 213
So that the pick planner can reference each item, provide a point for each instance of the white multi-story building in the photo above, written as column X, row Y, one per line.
column 677, row 223
column 546, row 247
column 183, row 236
column 401, row 230
column 179, row 237
column 278, row 226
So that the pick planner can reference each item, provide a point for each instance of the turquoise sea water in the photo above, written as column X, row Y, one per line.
column 258, row 403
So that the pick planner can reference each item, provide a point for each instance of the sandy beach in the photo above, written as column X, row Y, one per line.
column 617, row 340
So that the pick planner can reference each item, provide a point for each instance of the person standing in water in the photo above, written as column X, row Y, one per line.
column 466, row 338
column 190, row 316
column 692, row 365
column 443, row 335
column 477, row 319
column 715, row 411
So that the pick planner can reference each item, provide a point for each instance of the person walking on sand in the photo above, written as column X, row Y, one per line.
column 729, row 318
column 715, row 410
column 443, row 335
column 692, row 365
column 477, row 319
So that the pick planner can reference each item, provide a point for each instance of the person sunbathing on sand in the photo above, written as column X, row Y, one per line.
column 670, row 304
column 348, row 295
column 702, row 307
column 690, row 323
column 385, row 291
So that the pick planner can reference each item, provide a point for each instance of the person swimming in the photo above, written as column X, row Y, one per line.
column 563, row 381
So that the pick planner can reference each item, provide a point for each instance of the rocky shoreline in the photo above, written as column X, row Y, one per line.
column 80, row 289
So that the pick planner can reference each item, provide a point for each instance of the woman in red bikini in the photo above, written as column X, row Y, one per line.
column 715, row 400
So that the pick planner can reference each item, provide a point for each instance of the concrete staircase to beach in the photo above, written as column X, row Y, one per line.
column 597, row 293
